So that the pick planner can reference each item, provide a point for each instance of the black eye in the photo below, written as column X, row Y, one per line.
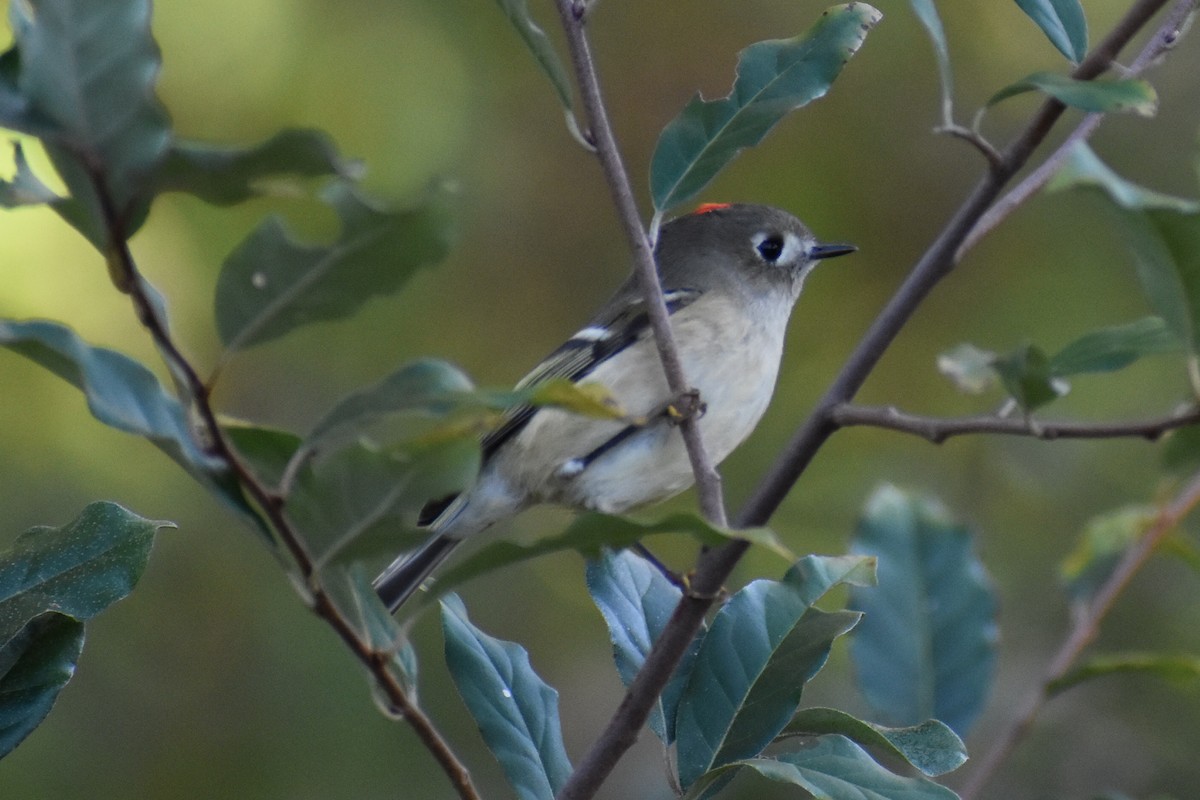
column 771, row 248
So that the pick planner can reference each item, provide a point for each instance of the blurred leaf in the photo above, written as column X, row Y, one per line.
column 746, row 682
column 224, row 175
column 1105, row 540
column 1095, row 96
column 931, row 747
column 969, row 368
column 831, row 767
column 539, row 46
column 1027, row 378
column 1182, row 451
column 1175, row 668
column 356, row 598
column 517, row 712
column 587, row 398
column 272, row 284
column 926, row 12
column 25, row 189
column 1167, row 247
column 1063, row 23
column 926, row 646
column 16, row 112
column 773, row 78
column 636, row 602
column 1181, row 548
column 374, row 495
column 267, row 450
column 90, row 69
column 36, row 662
column 589, row 534
column 1084, row 169
column 1112, row 348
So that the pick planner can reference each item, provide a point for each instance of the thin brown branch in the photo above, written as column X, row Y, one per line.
column 708, row 480
column 1084, row 631
column 1165, row 38
column 216, row 444
column 939, row 429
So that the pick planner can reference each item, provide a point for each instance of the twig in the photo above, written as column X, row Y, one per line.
column 715, row 565
column 1163, row 40
column 708, row 480
column 1083, row 632
column 216, row 444
column 938, row 429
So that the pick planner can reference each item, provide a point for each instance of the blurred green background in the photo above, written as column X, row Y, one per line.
column 211, row 680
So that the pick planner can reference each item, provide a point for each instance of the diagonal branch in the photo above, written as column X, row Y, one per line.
column 715, row 565
column 939, row 429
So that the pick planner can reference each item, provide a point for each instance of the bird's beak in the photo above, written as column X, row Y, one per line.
column 830, row 250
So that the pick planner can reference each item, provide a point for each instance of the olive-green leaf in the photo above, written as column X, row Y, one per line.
column 90, row 69
column 1115, row 347
column 1084, row 169
column 25, row 189
column 1063, row 23
column 589, row 534
column 773, row 78
column 1097, row 96
column 224, row 175
column 540, row 48
column 1171, row 667
column 926, row 647
column 79, row 569
column 1026, row 375
column 931, row 746
column 1166, row 246
column 268, row 451
column 35, row 664
column 517, row 712
column 272, row 284
column 1105, row 540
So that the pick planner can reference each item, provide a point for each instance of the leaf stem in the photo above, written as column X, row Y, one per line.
column 1084, row 631
column 195, row 395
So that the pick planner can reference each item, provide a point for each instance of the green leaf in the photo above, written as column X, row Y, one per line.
column 931, row 747
column 227, row 175
column 637, row 602
column 1166, row 246
column 1027, row 377
column 1181, row 454
column 969, row 368
column 1113, row 348
column 90, row 69
column 1096, row 96
column 517, row 712
column 1175, row 668
column 746, row 682
column 773, row 79
column 272, row 284
column 36, row 662
column 354, row 595
column 1104, row 542
column 539, row 46
column 267, row 450
column 25, row 189
column 363, row 499
column 1084, row 169
column 926, row 12
column 926, row 646
column 831, row 767
column 589, row 534
column 1063, row 23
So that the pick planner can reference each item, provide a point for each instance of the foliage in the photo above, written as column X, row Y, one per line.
column 332, row 505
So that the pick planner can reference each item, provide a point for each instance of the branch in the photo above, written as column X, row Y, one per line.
column 1165, row 38
column 938, row 430
column 214, row 442
column 708, row 480
column 1084, row 632
column 715, row 565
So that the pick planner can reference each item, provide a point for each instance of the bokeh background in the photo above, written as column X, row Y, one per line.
column 212, row 681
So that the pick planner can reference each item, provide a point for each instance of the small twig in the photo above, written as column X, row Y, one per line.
column 708, row 480
column 939, row 429
column 976, row 140
column 216, row 444
column 1163, row 40
column 1083, row 633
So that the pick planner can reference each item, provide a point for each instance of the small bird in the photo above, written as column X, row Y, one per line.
column 730, row 276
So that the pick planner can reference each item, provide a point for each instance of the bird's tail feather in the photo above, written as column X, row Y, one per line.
column 407, row 573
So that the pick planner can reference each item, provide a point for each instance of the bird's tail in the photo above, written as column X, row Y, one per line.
column 406, row 573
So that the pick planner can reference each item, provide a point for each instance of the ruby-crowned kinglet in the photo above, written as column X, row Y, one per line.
column 730, row 276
